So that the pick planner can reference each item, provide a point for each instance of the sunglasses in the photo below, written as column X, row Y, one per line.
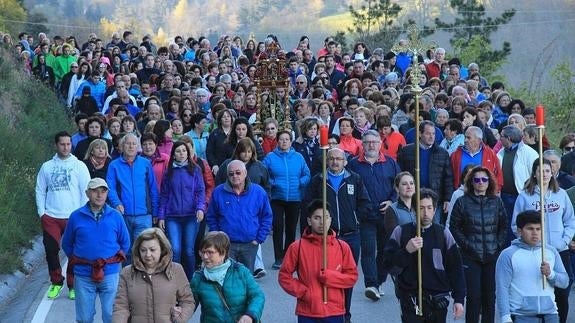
column 478, row 180
column 568, row 148
column 299, row 82
column 237, row 173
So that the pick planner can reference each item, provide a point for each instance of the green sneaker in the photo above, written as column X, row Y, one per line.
column 54, row 291
column 72, row 294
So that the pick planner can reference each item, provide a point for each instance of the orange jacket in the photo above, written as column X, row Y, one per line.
column 304, row 256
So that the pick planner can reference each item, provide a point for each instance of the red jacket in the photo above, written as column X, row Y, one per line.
column 489, row 160
column 350, row 145
column 391, row 145
column 304, row 256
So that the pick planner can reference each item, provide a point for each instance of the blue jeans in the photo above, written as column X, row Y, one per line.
column 372, row 244
column 86, row 291
column 136, row 224
column 182, row 232
column 547, row 318
column 244, row 253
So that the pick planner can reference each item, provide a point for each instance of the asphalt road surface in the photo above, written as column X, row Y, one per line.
column 31, row 304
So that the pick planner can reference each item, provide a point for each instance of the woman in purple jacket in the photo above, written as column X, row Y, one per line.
column 182, row 205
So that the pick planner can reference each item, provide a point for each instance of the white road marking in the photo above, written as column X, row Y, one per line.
column 45, row 305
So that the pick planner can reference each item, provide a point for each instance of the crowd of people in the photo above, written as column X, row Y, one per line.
column 166, row 141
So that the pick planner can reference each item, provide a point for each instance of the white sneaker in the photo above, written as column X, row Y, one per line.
column 372, row 293
column 381, row 292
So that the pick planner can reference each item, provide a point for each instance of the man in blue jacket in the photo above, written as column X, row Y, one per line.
column 242, row 210
column 133, row 189
column 95, row 240
column 378, row 173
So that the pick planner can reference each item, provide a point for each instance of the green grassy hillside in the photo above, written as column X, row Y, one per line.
column 29, row 117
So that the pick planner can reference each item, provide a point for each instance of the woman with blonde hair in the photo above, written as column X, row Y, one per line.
column 97, row 158
column 153, row 288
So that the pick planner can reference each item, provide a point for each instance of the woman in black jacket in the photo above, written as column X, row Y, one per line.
column 479, row 225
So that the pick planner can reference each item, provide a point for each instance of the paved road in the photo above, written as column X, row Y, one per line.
column 31, row 304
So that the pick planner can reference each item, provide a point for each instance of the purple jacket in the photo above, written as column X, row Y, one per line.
column 182, row 193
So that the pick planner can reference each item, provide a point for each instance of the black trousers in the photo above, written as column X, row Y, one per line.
column 286, row 214
column 407, row 301
column 480, row 291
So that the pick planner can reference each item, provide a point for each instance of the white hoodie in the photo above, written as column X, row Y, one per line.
column 61, row 186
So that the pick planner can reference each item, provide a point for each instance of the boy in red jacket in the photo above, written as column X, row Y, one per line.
column 304, row 256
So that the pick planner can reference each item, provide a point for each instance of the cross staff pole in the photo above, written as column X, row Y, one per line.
column 416, row 46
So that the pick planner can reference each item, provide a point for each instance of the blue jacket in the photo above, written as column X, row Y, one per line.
column 88, row 238
column 133, row 186
column 182, row 194
column 242, row 293
column 245, row 217
column 377, row 178
column 289, row 174
column 97, row 90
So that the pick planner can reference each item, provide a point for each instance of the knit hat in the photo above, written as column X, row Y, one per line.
column 389, row 56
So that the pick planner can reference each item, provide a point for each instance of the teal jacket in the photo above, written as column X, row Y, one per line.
column 242, row 294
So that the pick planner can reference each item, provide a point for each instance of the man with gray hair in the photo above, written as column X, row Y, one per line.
column 474, row 68
column 475, row 152
column 516, row 160
column 242, row 210
column 377, row 172
column 133, row 189
column 433, row 69
column 565, row 180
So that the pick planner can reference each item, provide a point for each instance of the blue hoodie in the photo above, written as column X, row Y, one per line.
column 518, row 280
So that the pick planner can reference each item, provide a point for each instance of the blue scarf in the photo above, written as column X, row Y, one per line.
column 218, row 273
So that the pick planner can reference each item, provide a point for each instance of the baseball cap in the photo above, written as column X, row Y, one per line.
column 94, row 183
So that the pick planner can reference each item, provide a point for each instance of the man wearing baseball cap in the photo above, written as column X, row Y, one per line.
column 96, row 240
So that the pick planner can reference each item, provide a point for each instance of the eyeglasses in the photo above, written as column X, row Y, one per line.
column 270, row 128
column 568, row 148
column 478, row 180
column 74, row 66
column 187, row 115
column 336, row 159
column 299, row 82
column 208, row 252
column 237, row 173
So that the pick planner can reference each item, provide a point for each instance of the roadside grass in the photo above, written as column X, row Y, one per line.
column 30, row 115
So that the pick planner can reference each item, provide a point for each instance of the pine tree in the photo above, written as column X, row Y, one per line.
column 374, row 23
column 471, row 26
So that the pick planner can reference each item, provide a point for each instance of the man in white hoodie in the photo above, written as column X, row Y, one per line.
column 60, row 188
column 519, row 275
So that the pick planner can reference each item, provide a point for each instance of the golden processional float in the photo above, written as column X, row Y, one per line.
column 272, row 74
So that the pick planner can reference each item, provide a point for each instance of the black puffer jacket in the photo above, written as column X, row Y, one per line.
column 479, row 226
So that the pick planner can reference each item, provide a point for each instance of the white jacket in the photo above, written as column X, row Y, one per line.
column 61, row 186
column 522, row 164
